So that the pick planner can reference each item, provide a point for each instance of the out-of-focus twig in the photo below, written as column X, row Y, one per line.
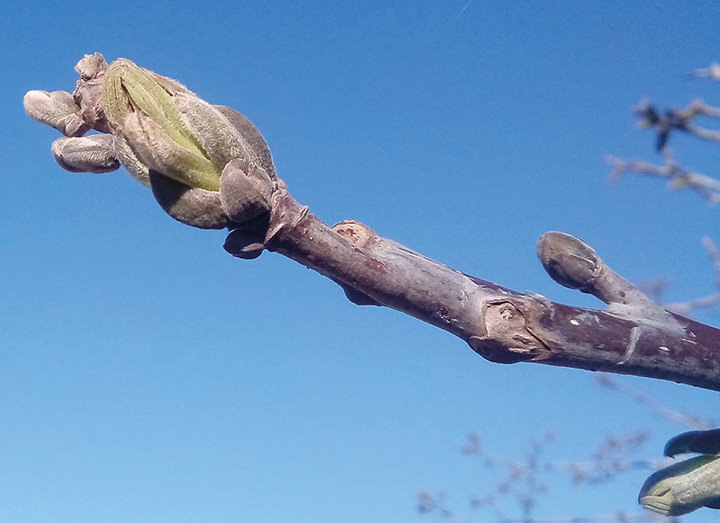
column 620, row 517
column 714, row 256
column 429, row 503
column 676, row 120
column 699, row 107
column 664, row 124
column 612, row 457
column 646, row 399
column 686, row 307
column 710, row 300
column 655, row 287
column 679, row 178
column 523, row 479
column 712, row 72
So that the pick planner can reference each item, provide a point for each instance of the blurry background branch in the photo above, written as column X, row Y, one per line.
column 678, row 178
column 655, row 287
column 665, row 124
column 523, row 478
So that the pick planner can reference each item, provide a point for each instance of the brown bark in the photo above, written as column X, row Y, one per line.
column 502, row 325
column 633, row 336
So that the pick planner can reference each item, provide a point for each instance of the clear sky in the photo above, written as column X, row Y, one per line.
column 147, row 376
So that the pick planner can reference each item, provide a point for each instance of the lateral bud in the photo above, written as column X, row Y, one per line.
column 85, row 154
column 568, row 260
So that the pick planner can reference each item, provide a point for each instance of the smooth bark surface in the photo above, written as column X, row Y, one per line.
column 502, row 325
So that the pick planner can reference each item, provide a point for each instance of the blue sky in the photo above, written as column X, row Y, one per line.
column 147, row 376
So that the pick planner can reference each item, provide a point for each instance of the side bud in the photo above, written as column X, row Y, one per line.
column 85, row 154
column 56, row 109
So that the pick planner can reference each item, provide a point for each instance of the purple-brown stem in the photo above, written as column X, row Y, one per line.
column 500, row 324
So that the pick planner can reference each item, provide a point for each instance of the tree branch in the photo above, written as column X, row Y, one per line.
column 712, row 72
column 634, row 336
column 679, row 178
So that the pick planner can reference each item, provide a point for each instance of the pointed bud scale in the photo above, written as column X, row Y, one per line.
column 140, row 106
